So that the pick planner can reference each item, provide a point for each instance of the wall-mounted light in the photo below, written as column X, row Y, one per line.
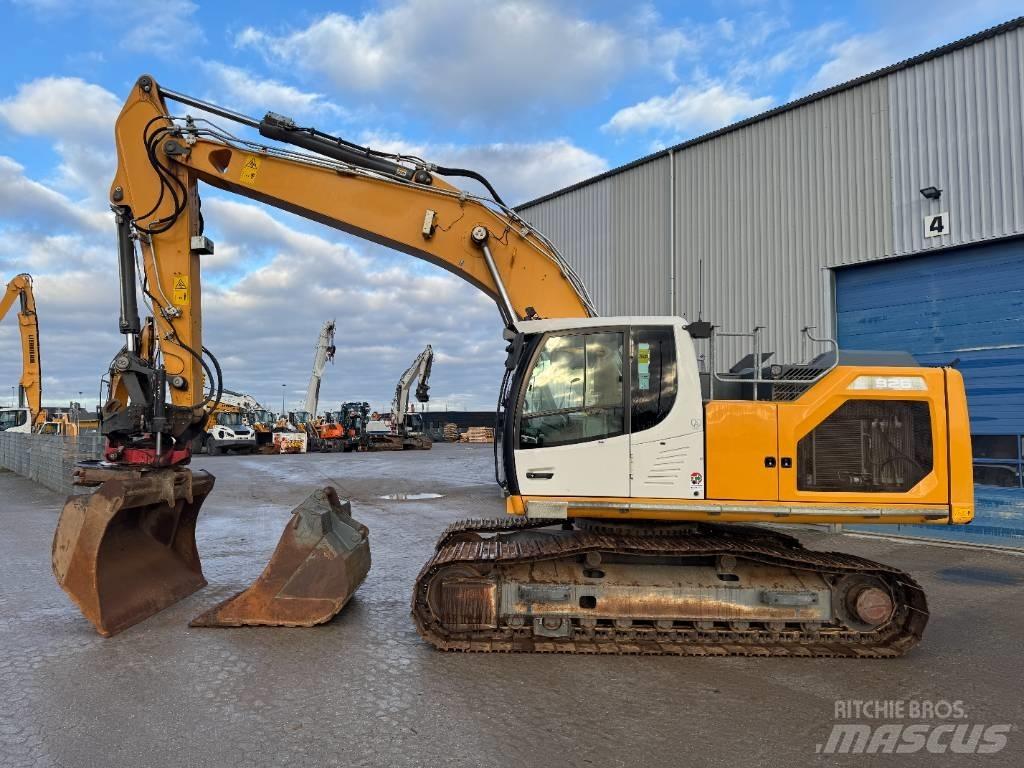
column 932, row 193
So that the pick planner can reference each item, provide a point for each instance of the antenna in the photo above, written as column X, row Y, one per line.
column 700, row 290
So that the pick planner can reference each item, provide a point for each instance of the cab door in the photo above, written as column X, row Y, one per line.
column 666, row 423
column 572, row 437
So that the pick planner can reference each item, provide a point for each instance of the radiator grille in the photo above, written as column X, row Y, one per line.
column 867, row 446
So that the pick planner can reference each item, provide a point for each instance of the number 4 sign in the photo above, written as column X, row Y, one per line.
column 936, row 225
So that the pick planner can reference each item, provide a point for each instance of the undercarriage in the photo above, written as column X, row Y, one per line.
column 589, row 586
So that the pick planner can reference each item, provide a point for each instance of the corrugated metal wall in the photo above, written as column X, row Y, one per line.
column 956, row 125
column 769, row 207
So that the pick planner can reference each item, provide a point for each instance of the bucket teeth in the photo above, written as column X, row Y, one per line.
column 128, row 550
column 321, row 559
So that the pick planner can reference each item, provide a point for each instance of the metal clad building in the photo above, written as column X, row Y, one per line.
column 813, row 214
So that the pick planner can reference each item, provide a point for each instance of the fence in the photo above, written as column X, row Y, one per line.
column 48, row 459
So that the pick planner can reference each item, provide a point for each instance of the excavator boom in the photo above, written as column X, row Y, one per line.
column 625, row 464
column 165, row 383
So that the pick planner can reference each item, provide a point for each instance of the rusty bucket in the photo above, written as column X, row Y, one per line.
column 128, row 550
column 321, row 559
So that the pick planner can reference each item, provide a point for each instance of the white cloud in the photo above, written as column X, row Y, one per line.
column 518, row 171
column 30, row 202
column 62, row 108
column 240, row 89
column 906, row 29
column 474, row 59
column 689, row 110
column 79, row 118
column 852, row 58
column 798, row 51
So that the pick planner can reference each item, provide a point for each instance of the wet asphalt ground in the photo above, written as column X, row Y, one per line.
column 365, row 690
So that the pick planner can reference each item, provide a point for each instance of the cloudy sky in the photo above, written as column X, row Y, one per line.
column 537, row 94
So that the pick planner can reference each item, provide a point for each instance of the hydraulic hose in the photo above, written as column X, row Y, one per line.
column 470, row 174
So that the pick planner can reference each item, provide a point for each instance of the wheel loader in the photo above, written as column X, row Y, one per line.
column 633, row 479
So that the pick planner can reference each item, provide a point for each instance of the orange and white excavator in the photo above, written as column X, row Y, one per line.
column 630, row 476
column 28, row 414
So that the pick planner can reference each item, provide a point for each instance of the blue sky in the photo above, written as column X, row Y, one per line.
column 536, row 94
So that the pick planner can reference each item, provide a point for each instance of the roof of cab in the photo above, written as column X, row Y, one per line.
column 572, row 323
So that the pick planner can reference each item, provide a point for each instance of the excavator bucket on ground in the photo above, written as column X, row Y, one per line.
column 322, row 558
column 128, row 550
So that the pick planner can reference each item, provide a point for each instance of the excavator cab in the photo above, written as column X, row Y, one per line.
column 15, row 420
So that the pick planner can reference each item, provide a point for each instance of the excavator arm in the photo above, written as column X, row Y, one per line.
column 165, row 383
column 395, row 201
column 30, row 393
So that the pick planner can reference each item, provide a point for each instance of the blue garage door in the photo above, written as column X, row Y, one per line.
column 966, row 306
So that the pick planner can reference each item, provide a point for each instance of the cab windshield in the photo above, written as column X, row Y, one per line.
column 12, row 417
column 575, row 391
column 262, row 417
column 230, row 419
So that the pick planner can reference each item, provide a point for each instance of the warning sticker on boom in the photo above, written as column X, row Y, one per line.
column 179, row 290
column 250, row 169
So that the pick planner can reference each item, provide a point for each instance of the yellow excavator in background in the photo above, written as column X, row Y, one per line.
column 628, row 472
column 28, row 414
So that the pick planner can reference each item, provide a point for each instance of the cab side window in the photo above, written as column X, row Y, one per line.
column 575, row 391
column 654, row 376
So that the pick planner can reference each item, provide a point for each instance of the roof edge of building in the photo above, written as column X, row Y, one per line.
column 934, row 53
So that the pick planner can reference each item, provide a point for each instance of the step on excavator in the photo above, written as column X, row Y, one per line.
column 28, row 415
column 633, row 479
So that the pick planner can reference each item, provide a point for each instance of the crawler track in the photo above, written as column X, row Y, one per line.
column 483, row 551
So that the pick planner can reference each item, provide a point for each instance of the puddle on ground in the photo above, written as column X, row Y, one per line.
column 412, row 496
